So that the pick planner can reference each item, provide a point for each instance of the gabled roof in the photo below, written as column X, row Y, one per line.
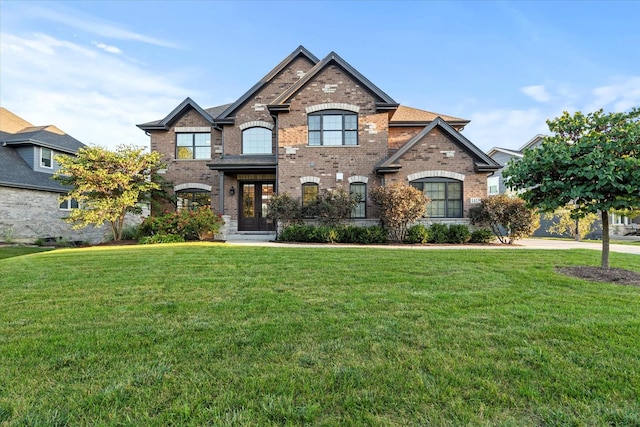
column 10, row 122
column 300, row 51
column 513, row 153
column 43, row 138
column 532, row 142
column 177, row 112
column 407, row 116
column 281, row 103
column 15, row 172
column 483, row 163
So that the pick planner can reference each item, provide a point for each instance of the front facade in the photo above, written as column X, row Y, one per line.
column 313, row 125
column 30, row 208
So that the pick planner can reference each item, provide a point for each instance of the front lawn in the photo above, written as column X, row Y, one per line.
column 211, row 334
column 11, row 251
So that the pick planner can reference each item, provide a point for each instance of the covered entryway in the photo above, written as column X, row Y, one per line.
column 252, row 205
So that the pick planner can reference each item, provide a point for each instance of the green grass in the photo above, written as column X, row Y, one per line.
column 208, row 334
column 11, row 251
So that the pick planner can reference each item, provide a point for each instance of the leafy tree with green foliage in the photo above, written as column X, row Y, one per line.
column 400, row 204
column 508, row 217
column 566, row 224
column 107, row 184
column 592, row 160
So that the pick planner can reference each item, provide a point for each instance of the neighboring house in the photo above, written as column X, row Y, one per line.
column 311, row 125
column 618, row 225
column 29, row 205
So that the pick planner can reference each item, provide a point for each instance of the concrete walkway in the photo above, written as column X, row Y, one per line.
column 268, row 240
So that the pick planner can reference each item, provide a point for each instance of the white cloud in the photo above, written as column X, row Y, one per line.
column 95, row 96
column 107, row 48
column 537, row 92
column 93, row 25
column 619, row 96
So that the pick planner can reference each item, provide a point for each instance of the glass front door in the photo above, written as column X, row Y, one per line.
column 254, row 198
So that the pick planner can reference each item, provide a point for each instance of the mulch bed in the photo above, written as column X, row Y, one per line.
column 618, row 276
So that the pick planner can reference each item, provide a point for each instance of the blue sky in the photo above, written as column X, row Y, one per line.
column 97, row 68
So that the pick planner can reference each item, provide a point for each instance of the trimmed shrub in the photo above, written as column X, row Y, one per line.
column 458, row 234
column 161, row 238
column 417, row 234
column 482, row 235
column 508, row 217
column 197, row 224
column 400, row 205
column 438, row 233
column 333, row 234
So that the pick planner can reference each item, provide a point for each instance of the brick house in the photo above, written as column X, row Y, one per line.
column 311, row 125
column 29, row 205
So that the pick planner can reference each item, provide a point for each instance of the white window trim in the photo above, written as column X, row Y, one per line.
column 40, row 158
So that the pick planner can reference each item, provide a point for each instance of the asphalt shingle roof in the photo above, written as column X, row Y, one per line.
column 15, row 172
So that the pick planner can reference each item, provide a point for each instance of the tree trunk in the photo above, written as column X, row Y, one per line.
column 605, row 239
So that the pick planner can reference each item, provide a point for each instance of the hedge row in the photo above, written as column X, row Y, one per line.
column 436, row 233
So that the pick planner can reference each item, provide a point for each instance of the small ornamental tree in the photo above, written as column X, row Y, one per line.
column 284, row 211
column 399, row 205
column 332, row 207
column 566, row 224
column 508, row 217
column 592, row 160
column 107, row 184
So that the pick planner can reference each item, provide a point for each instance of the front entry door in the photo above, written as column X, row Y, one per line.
column 254, row 198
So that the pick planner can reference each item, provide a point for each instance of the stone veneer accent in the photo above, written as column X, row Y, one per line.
column 26, row 215
column 358, row 178
column 333, row 106
column 256, row 123
column 437, row 173
column 306, row 179
column 192, row 185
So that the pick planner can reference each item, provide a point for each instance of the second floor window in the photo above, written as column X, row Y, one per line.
column 333, row 128
column 46, row 158
column 256, row 140
column 193, row 146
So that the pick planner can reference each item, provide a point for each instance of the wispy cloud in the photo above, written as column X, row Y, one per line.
column 95, row 96
column 107, row 48
column 93, row 25
column 537, row 92
column 618, row 96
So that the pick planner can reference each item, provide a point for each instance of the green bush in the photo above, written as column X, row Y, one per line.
column 438, row 233
column 458, row 234
column 417, row 234
column 482, row 235
column 161, row 238
column 198, row 224
column 333, row 234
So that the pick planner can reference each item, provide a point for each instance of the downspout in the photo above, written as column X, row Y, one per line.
column 275, row 120
column 220, row 173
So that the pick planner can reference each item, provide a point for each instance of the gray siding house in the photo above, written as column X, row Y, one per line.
column 29, row 205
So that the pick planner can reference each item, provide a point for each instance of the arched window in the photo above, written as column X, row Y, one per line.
column 192, row 199
column 359, row 189
column 445, row 195
column 257, row 140
column 309, row 193
column 333, row 127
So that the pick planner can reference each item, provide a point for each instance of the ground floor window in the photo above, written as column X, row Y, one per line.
column 67, row 205
column 309, row 193
column 619, row 220
column 359, row 189
column 445, row 195
column 193, row 199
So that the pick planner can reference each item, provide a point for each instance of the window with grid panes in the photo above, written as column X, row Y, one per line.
column 445, row 195
column 193, row 146
column 331, row 127
column 359, row 189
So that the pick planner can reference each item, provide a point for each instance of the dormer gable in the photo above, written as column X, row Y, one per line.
column 185, row 106
column 383, row 101
column 482, row 162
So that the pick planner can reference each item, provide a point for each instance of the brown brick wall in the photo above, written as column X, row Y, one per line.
column 426, row 155
column 185, row 171
column 399, row 135
column 255, row 108
column 297, row 159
